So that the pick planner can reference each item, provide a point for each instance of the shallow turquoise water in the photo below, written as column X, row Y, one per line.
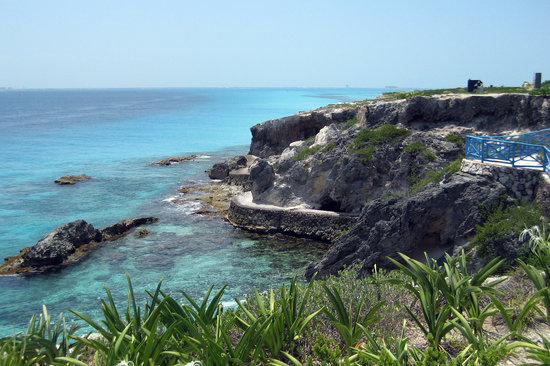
column 113, row 136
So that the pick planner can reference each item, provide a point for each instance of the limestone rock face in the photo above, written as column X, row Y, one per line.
column 262, row 176
column 55, row 247
column 272, row 137
column 432, row 220
column 490, row 113
column 405, row 192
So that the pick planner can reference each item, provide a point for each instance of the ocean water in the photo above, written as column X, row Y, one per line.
column 114, row 135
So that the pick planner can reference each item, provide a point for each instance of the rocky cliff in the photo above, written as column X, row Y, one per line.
column 394, row 165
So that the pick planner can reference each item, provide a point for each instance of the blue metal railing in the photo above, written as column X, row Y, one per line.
column 526, row 150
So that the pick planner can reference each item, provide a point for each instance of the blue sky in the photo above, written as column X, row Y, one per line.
column 412, row 43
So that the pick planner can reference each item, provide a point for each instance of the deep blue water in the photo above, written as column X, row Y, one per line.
column 114, row 136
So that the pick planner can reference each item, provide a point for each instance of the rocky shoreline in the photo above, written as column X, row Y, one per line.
column 372, row 178
column 390, row 171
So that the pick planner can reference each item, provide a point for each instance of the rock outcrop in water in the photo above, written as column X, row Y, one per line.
column 175, row 160
column 72, row 179
column 394, row 165
column 67, row 244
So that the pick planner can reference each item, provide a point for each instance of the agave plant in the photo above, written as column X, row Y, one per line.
column 539, row 243
column 213, row 347
column 379, row 354
column 42, row 343
column 173, row 312
column 425, row 281
column 138, row 337
column 287, row 313
column 350, row 324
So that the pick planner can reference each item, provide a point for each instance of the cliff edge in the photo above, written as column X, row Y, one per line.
column 395, row 166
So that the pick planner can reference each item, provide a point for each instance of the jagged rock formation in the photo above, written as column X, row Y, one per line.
column 66, row 244
column 489, row 113
column 393, row 165
column 272, row 137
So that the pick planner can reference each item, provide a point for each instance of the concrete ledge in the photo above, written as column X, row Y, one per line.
column 296, row 221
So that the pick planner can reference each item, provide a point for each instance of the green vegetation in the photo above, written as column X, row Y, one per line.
column 503, row 223
column 328, row 147
column 307, row 151
column 383, row 134
column 366, row 154
column 343, row 320
column 432, row 176
column 455, row 139
column 430, row 92
column 349, row 123
column 542, row 91
column 419, row 148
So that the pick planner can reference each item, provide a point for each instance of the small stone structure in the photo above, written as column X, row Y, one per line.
column 520, row 183
column 315, row 224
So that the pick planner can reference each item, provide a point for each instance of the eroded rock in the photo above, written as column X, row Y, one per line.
column 66, row 244
column 72, row 179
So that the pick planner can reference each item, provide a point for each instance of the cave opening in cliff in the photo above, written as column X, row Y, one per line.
column 328, row 204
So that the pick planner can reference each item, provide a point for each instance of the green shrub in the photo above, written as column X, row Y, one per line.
column 305, row 152
column 419, row 148
column 383, row 134
column 454, row 166
column 455, row 139
column 503, row 224
column 366, row 153
column 542, row 91
column 328, row 147
column 432, row 176
column 350, row 122
column 379, row 135
column 415, row 147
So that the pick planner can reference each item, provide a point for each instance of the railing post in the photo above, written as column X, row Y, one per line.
column 482, row 150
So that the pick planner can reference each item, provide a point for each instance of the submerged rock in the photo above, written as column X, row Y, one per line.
column 66, row 244
column 72, row 179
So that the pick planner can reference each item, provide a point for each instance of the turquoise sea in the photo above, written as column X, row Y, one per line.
column 114, row 135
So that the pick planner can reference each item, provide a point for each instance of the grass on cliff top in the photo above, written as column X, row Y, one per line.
column 426, row 93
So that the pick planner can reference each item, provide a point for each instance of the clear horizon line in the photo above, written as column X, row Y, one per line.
column 388, row 87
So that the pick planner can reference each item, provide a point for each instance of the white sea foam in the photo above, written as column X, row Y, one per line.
column 203, row 157
column 229, row 304
column 188, row 207
column 172, row 199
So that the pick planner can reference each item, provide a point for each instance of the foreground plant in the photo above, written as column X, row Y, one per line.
column 539, row 243
column 137, row 337
column 288, row 316
column 424, row 284
column 350, row 324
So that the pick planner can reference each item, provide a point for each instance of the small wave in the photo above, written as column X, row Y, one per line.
column 172, row 199
column 229, row 304
column 203, row 157
column 188, row 207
